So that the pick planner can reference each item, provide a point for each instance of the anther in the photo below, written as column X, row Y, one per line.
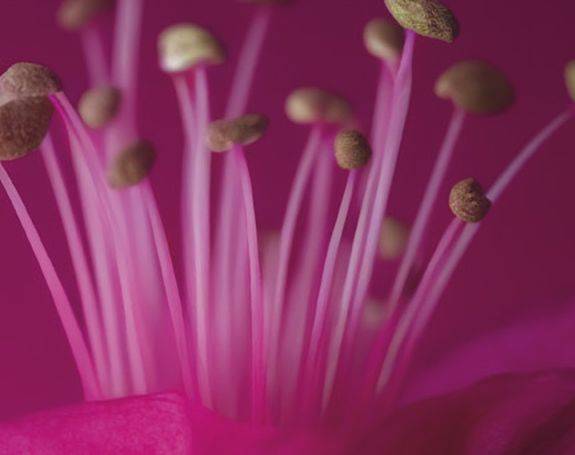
column 393, row 240
column 75, row 14
column 24, row 123
column 267, row 2
column 476, row 87
column 425, row 17
column 184, row 46
column 131, row 165
column 100, row 105
column 383, row 39
column 222, row 135
column 570, row 78
column 352, row 149
column 468, row 201
column 28, row 79
column 313, row 105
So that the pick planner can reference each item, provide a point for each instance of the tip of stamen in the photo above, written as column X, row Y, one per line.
column 476, row 87
column 383, row 39
column 311, row 105
column 425, row 17
column 131, row 165
column 352, row 149
column 267, row 2
column 570, row 78
column 184, row 46
column 100, row 105
column 222, row 135
column 75, row 14
column 468, row 201
column 393, row 240
column 24, row 123
column 28, row 79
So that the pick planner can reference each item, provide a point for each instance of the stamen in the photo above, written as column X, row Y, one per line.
column 109, row 213
column 366, row 238
column 228, row 276
column 63, row 306
column 195, row 218
column 384, row 39
column 570, row 78
column 90, row 304
column 132, row 165
column 425, row 209
column 125, row 58
column 425, row 17
column 448, row 253
column 24, row 123
column 184, row 46
column 174, row 300
column 318, row 338
column 285, row 247
column 267, row 2
column 468, row 202
column 75, row 14
column 394, row 235
column 223, row 135
column 311, row 105
column 95, row 56
column 476, row 87
column 352, row 149
column 28, row 79
column 99, row 106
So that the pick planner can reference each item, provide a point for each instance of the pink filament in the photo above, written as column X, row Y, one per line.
column 225, row 253
column 326, row 283
column 391, row 152
column 173, row 298
column 88, row 297
column 71, row 328
column 286, row 239
column 95, row 56
column 445, row 259
column 427, row 204
column 258, row 329
column 195, row 216
column 348, row 315
column 109, row 213
column 126, row 56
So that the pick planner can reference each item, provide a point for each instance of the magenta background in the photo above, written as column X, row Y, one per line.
column 521, row 262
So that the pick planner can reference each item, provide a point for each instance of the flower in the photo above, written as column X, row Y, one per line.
column 272, row 335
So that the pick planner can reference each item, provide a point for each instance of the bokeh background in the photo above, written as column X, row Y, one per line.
column 521, row 264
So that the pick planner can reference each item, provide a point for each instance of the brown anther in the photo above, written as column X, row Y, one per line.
column 28, row 79
column 383, row 39
column 352, row 149
column 24, row 123
column 267, row 2
column 476, row 87
column 75, row 14
column 393, row 240
column 184, row 46
column 100, row 105
column 570, row 78
column 468, row 201
column 131, row 165
column 375, row 313
column 425, row 17
column 313, row 105
column 222, row 135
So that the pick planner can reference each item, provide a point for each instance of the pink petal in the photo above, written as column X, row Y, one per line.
column 153, row 424
column 535, row 344
column 507, row 414
column 158, row 424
